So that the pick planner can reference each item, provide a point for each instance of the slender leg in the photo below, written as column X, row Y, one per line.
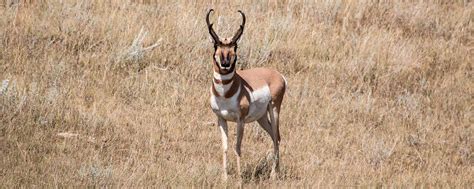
column 276, row 152
column 223, row 127
column 265, row 124
column 240, row 134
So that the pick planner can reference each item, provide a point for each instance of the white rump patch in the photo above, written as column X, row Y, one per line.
column 286, row 82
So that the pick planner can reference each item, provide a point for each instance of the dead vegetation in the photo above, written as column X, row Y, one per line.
column 381, row 94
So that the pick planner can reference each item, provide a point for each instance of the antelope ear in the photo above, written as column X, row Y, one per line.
column 238, row 40
column 211, row 40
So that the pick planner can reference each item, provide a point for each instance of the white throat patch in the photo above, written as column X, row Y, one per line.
column 223, row 77
column 222, row 89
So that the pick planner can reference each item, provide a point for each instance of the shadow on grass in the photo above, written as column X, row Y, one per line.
column 261, row 171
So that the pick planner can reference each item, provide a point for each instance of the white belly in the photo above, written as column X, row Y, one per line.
column 229, row 108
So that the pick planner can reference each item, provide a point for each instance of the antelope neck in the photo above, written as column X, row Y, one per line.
column 225, row 85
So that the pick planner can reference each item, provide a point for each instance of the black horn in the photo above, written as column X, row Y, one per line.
column 211, row 30
column 240, row 31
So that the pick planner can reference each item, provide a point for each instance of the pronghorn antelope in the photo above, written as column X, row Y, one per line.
column 244, row 96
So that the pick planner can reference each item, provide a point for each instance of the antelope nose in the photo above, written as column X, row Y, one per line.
column 225, row 63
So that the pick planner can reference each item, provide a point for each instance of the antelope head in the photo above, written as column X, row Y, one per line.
column 225, row 50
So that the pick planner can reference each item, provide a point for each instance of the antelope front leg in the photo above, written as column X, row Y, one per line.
column 223, row 127
column 240, row 134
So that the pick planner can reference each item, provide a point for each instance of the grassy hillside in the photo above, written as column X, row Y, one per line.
column 380, row 94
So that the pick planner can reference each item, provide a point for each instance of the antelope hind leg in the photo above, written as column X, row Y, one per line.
column 274, row 114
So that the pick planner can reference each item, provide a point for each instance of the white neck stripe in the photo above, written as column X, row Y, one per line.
column 223, row 77
column 222, row 89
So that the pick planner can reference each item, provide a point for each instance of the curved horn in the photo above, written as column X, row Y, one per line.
column 211, row 31
column 240, row 31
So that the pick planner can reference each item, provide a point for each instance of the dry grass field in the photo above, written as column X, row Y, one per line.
column 381, row 93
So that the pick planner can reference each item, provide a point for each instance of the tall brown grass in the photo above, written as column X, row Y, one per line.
column 380, row 92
